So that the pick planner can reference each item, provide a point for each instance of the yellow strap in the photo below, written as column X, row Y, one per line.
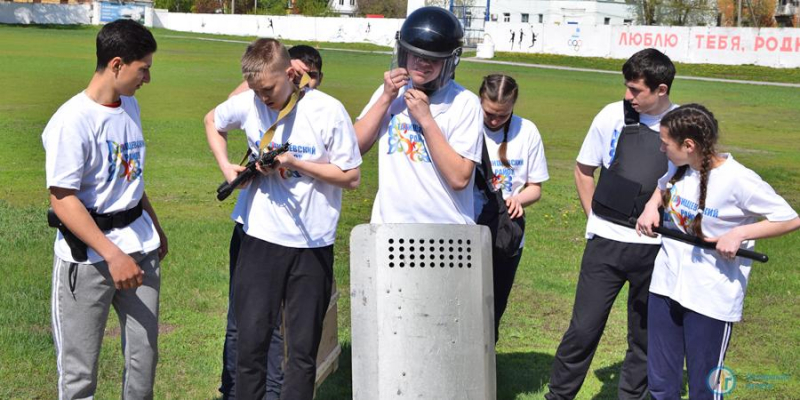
column 288, row 108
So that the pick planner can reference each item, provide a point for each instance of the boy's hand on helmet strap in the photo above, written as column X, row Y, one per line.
column 394, row 80
column 418, row 104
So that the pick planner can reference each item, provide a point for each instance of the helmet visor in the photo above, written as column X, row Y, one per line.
column 426, row 73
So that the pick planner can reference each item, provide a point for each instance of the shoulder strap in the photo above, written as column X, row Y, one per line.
column 286, row 110
column 631, row 115
column 485, row 173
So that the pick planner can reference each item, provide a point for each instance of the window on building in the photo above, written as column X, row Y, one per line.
column 352, row 2
column 506, row 17
column 541, row 18
column 341, row 2
column 524, row 17
column 627, row 21
column 606, row 21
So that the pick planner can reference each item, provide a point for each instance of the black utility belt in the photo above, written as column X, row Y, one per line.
column 105, row 222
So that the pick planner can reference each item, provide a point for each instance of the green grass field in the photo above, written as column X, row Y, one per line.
column 43, row 67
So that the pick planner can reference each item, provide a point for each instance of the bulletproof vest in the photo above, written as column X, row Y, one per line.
column 628, row 183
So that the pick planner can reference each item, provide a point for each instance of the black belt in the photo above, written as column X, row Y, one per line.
column 105, row 222
column 120, row 219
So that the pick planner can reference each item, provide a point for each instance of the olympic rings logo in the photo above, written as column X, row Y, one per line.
column 575, row 43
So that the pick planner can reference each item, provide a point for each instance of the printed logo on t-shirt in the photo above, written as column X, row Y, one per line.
column 682, row 211
column 503, row 178
column 298, row 151
column 406, row 138
column 124, row 160
column 612, row 151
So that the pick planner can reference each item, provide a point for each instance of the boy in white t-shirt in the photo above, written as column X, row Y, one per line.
column 292, row 210
column 305, row 60
column 519, row 167
column 110, row 244
column 696, row 294
column 623, row 142
column 429, row 129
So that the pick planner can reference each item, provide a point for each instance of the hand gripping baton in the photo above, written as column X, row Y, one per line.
column 693, row 240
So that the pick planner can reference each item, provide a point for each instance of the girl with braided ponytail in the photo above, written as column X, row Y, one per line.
column 697, row 294
column 518, row 165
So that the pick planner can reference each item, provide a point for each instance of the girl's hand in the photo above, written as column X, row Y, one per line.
column 728, row 244
column 515, row 209
column 649, row 219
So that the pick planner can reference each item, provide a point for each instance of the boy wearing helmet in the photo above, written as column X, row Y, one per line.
column 429, row 128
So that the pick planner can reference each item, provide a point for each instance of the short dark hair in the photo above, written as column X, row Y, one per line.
column 126, row 39
column 308, row 55
column 651, row 65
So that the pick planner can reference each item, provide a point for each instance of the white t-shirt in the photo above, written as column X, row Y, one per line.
column 240, row 208
column 525, row 154
column 410, row 188
column 288, row 208
column 697, row 278
column 598, row 150
column 99, row 151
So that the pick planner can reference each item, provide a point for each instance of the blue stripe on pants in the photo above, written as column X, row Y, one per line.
column 675, row 332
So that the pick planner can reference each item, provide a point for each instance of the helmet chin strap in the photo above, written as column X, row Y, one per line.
column 430, row 87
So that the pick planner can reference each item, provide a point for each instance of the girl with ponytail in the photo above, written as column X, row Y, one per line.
column 519, row 168
column 697, row 294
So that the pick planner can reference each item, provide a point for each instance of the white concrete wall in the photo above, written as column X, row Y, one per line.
column 29, row 13
column 773, row 47
column 146, row 17
column 378, row 31
column 62, row 14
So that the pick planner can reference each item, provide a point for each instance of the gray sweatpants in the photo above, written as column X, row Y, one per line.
column 82, row 296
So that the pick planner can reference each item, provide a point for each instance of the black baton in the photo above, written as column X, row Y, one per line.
column 693, row 240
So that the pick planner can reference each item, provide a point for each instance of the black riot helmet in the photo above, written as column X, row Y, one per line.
column 431, row 33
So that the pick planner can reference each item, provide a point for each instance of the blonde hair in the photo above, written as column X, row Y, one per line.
column 264, row 55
